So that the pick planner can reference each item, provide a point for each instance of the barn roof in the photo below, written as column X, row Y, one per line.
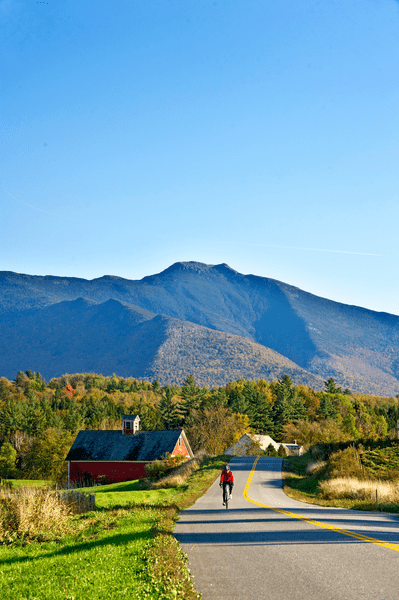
column 112, row 445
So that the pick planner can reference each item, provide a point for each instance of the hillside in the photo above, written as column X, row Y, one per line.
column 116, row 337
column 235, row 323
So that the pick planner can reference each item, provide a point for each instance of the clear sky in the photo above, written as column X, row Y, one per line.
column 262, row 134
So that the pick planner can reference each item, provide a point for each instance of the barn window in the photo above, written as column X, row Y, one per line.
column 179, row 442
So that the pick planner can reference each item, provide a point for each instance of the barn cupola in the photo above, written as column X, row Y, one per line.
column 130, row 424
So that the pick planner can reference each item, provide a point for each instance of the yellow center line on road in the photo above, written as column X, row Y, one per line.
column 352, row 534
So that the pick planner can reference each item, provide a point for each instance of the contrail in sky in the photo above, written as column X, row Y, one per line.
column 32, row 206
column 310, row 249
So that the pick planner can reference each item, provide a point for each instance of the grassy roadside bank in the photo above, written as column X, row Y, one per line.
column 342, row 481
column 125, row 548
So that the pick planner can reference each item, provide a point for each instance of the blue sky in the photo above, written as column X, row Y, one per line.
column 262, row 134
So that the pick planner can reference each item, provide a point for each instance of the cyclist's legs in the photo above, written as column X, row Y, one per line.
column 226, row 488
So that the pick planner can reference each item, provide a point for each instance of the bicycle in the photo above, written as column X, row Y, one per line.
column 226, row 493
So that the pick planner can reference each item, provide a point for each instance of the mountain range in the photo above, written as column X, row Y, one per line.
column 208, row 320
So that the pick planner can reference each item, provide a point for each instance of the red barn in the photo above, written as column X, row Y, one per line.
column 122, row 455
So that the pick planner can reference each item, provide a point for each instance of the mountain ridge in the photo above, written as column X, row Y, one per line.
column 323, row 338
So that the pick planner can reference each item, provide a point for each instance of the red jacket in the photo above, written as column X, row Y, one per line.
column 226, row 476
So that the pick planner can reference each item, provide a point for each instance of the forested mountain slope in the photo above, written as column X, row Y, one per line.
column 358, row 347
column 116, row 337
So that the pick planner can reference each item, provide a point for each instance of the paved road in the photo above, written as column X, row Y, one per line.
column 268, row 546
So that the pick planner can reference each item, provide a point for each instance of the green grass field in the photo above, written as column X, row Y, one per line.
column 37, row 483
column 105, row 559
column 382, row 463
column 129, row 492
column 123, row 549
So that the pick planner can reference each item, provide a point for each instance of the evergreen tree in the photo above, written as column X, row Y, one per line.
column 331, row 388
column 260, row 414
column 282, row 451
column 327, row 409
column 150, row 416
column 271, row 450
column 288, row 407
column 283, row 407
column 73, row 420
column 168, row 409
column 13, row 417
column 156, row 386
column 192, row 398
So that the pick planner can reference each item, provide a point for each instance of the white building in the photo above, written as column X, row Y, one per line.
column 247, row 445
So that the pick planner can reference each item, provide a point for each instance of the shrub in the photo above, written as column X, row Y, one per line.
column 78, row 502
column 159, row 468
column 315, row 467
column 8, row 456
column 5, row 484
column 282, row 451
column 345, row 463
column 178, row 475
column 271, row 450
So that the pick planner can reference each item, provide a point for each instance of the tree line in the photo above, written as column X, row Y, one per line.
column 39, row 420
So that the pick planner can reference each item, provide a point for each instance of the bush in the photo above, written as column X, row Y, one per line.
column 5, row 484
column 271, row 450
column 8, row 456
column 159, row 468
column 345, row 463
column 315, row 467
column 178, row 475
column 282, row 451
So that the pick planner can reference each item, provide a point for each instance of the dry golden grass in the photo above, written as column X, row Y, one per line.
column 179, row 475
column 315, row 466
column 32, row 514
column 386, row 492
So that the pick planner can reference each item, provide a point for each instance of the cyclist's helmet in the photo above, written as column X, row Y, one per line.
column 227, row 468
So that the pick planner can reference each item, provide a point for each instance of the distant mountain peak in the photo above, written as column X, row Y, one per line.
column 106, row 278
column 195, row 267
column 188, row 266
column 359, row 348
column 178, row 267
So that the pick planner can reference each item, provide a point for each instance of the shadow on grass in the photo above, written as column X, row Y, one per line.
column 128, row 486
column 96, row 536
column 308, row 485
column 118, row 539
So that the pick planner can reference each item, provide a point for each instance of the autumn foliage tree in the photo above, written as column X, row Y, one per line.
column 39, row 420
column 8, row 457
column 215, row 429
column 47, row 457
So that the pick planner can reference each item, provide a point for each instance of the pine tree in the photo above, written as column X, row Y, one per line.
column 327, row 408
column 193, row 398
column 168, row 409
column 260, row 414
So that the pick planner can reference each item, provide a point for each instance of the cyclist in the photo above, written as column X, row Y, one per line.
column 227, row 478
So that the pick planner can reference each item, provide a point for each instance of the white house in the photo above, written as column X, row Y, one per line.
column 246, row 445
